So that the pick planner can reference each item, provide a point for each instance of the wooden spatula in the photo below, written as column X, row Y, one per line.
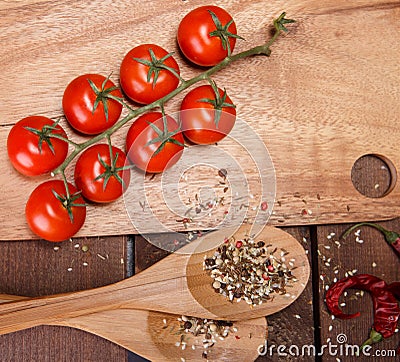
column 177, row 285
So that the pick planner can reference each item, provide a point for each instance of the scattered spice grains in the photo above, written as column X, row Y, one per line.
column 246, row 270
column 210, row 331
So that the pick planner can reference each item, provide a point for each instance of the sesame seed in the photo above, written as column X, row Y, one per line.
column 374, row 265
column 69, row 269
column 297, row 316
column 330, row 328
column 85, row 264
column 56, row 248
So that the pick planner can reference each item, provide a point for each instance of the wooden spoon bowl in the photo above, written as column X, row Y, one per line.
column 154, row 335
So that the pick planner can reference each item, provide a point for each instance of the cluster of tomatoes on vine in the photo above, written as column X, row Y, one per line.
column 93, row 104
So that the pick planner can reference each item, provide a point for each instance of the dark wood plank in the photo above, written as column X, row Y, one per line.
column 369, row 255
column 35, row 268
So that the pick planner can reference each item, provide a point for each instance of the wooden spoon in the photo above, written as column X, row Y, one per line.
column 153, row 335
column 177, row 285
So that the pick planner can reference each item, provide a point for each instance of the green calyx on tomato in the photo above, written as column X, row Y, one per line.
column 222, row 32
column 68, row 201
column 164, row 136
column 111, row 170
column 103, row 95
column 218, row 102
column 156, row 65
column 45, row 135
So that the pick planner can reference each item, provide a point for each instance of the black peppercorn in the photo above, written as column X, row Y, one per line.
column 260, row 244
column 187, row 325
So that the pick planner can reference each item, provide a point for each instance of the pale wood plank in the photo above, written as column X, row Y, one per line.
column 322, row 100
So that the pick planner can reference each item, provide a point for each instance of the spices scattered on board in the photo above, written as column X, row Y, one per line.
column 207, row 331
column 250, row 270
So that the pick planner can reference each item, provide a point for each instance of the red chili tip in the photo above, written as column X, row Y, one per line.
column 239, row 244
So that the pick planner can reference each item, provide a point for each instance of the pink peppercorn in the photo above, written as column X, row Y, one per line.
column 264, row 206
column 270, row 268
column 265, row 277
column 239, row 244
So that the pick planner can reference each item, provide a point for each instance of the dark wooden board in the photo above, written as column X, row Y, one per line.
column 34, row 268
column 372, row 256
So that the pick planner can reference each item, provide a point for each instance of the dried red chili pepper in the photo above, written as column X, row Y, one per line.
column 395, row 289
column 391, row 237
column 386, row 308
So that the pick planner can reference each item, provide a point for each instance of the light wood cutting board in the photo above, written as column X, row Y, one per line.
column 328, row 94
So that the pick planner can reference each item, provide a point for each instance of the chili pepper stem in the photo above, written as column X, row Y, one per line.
column 374, row 337
column 390, row 236
column 264, row 49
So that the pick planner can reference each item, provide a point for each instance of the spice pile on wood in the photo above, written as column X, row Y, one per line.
column 246, row 270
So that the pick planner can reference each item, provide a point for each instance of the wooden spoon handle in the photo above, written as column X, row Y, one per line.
column 29, row 313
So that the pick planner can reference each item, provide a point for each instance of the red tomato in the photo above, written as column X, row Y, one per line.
column 32, row 150
column 202, row 39
column 147, row 156
column 48, row 216
column 99, row 179
column 198, row 117
column 87, row 105
column 134, row 74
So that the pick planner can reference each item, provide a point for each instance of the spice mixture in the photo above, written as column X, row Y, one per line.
column 210, row 330
column 247, row 270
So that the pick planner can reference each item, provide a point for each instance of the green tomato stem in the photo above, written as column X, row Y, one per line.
column 184, row 84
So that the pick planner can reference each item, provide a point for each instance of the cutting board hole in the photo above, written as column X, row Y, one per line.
column 374, row 175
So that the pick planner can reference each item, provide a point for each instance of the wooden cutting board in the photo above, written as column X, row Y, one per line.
column 328, row 94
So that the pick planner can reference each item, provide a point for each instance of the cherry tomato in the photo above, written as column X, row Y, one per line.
column 154, row 148
column 87, row 104
column 143, row 74
column 50, row 215
column 32, row 150
column 200, row 122
column 99, row 178
column 203, row 38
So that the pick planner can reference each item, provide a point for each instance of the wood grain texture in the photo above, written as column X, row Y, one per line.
column 323, row 99
column 179, row 278
column 154, row 335
column 34, row 269
column 372, row 256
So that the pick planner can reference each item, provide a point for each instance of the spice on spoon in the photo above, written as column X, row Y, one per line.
column 247, row 270
column 211, row 331
column 386, row 308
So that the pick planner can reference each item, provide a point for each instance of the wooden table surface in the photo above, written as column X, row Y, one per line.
column 36, row 268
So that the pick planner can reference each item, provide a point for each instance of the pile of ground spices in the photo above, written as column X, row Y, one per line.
column 249, row 270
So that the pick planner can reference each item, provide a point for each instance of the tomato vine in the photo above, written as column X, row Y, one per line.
column 264, row 49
